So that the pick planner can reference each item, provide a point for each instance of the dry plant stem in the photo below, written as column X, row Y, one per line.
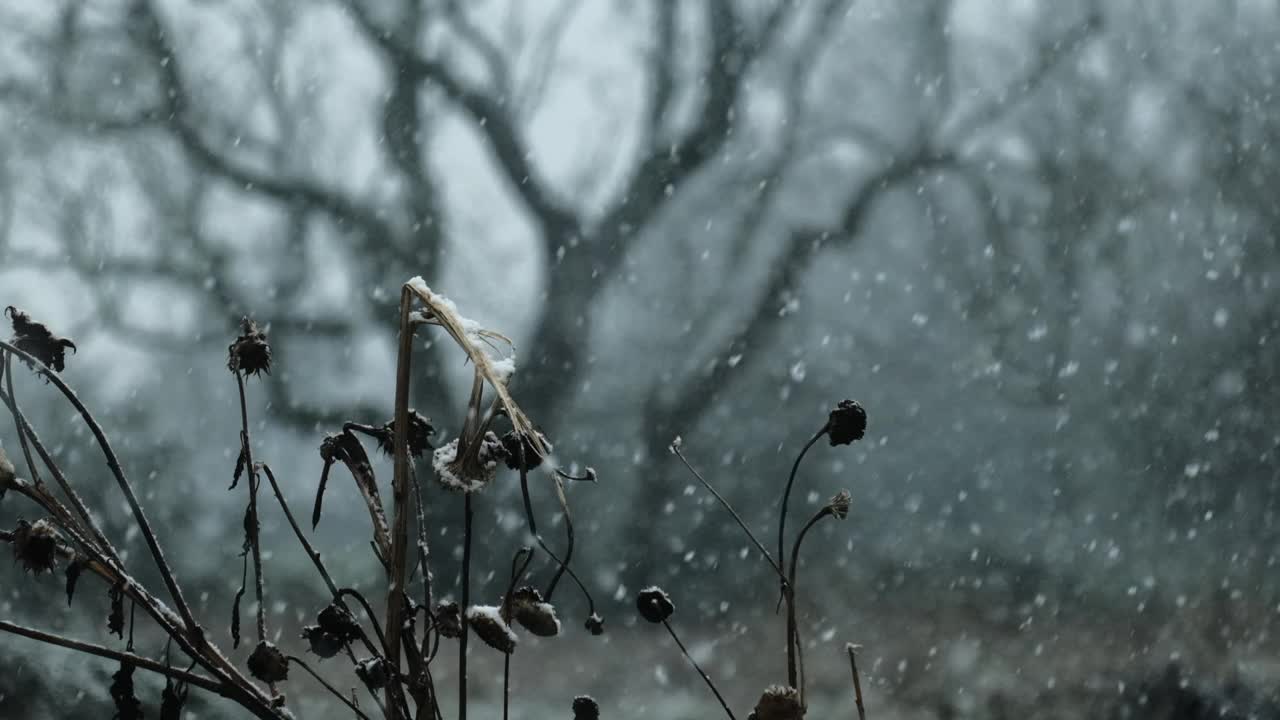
column 857, row 684
column 254, row 546
column 24, row 428
column 786, row 495
column 466, row 603
column 200, row 681
column 22, row 436
column 795, row 652
column 126, row 488
column 725, row 503
column 181, row 627
column 297, row 531
column 400, row 494
column 706, row 678
column 516, row 574
column 568, row 526
column 533, row 530
column 332, row 690
column 424, row 561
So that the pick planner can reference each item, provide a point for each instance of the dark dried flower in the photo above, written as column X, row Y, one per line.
column 585, row 708
column 487, row 621
column 115, row 617
column 250, row 353
column 324, row 644
column 533, row 614
column 373, row 673
column 127, row 705
column 268, row 664
column 73, row 571
column 471, row 469
column 595, row 624
column 839, row 504
column 778, row 703
column 336, row 620
column 172, row 699
column 533, row 456
column 448, row 618
column 847, row 422
column 35, row 545
column 654, row 604
column 34, row 338
column 420, row 432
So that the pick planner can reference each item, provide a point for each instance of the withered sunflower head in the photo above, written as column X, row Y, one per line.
column 373, row 673
column 585, row 708
column 846, row 423
column 339, row 622
column 468, row 469
column 250, row 353
column 533, row 456
column 35, row 545
column 324, row 644
column 268, row 664
column 487, row 621
column 654, row 604
column 839, row 504
column 448, row 618
column 778, row 703
column 34, row 338
column 420, row 432
column 533, row 614
column 595, row 624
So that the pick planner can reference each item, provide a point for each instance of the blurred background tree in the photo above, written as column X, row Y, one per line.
column 1036, row 240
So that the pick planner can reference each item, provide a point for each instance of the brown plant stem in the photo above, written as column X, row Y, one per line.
column 22, row 436
column 706, row 678
column 255, row 546
column 857, row 684
column 126, row 488
column 725, row 503
column 466, row 603
column 25, row 428
column 533, row 530
column 193, row 679
column 400, row 495
column 795, row 652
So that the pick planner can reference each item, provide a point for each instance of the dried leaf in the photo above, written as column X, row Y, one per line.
column 235, row 605
column 115, row 620
column 346, row 448
column 235, row 476
column 173, row 699
column 127, row 705
column 74, row 569
column 324, row 482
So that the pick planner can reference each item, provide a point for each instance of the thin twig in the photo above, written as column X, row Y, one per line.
column 466, row 602
column 13, row 404
column 706, row 678
column 297, row 531
column 795, row 652
column 786, row 495
column 857, row 684
column 675, row 448
column 333, row 691
column 200, row 681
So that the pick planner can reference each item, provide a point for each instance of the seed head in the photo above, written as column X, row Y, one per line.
column 448, row 620
column 595, row 624
column 34, row 338
column 585, row 708
column 373, row 673
column 534, row 615
column 336, row 620
column 322, row 643
column 654, row 604
column 778, row 703
column 268, row 664
column 35, row 545
column 846, row 423
column 250, row 353
column 839, row 504
column 420, row 432
column 492, row 629
column 533, row 455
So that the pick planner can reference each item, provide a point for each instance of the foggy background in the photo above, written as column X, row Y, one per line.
column 1038, row 241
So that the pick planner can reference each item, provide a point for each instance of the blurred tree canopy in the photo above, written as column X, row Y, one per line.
column 1037, row 239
